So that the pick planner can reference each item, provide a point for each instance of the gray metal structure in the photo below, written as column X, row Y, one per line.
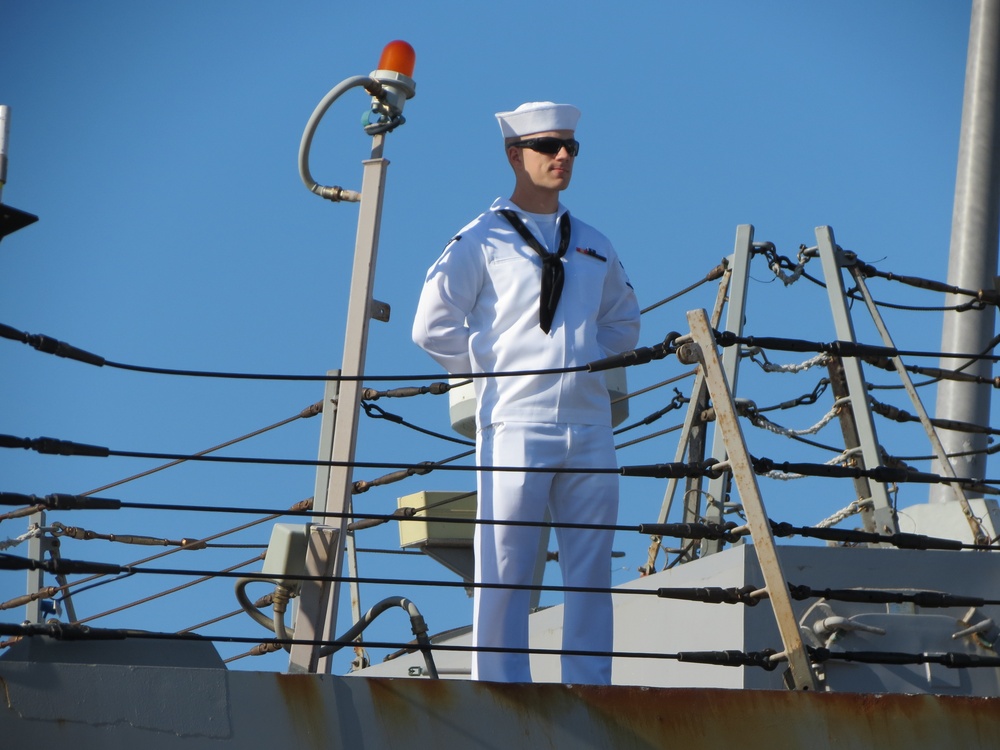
column 876, row 508
column 880, row 517
column 735, row 315
column 974, row 236
column 327, row 537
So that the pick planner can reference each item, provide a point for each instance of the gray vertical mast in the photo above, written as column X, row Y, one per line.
column 974, row 235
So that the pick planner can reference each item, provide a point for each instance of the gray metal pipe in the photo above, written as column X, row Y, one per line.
column 972, row 260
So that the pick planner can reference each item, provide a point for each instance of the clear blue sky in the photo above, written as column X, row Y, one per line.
column 158, row 143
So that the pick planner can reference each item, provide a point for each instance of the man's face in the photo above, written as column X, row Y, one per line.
column 547, row 171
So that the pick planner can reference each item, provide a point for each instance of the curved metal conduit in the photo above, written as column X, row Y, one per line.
column 277, row 625
column 333, row 193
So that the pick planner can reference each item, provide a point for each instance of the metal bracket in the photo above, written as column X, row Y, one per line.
column 735, row 315
column 312, row 625
column 380, row 311
column 882, row 518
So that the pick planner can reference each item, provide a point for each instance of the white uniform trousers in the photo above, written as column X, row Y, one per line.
column 506, row 554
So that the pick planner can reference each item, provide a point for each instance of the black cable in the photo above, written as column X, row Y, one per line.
column 49, row 345
column 983, row 296
column 803, row 400
column 731, row 658
column 711, row 531
column 69, row 595
column 837, row 348
column 676, row 403
column 52, row 446
column 964, row 307
column 898, row 539
column 950, row 659
column 65, row 566
column 884, row 474
column 62, row 631
column 65, row 502
column 988, row 451
column 926, row 599
column 713, row 595
column 655, row 471
column 376, row 412
column 336, row 378
column 938, row 374
column 896, row 414
column 935, row 373
column 815, row 443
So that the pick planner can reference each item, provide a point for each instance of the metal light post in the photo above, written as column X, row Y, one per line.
column 390, row 86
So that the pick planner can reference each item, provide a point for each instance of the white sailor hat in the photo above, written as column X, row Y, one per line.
column 537, row 117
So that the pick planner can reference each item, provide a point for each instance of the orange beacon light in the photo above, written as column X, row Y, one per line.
column 394, row 70
column 399, row 57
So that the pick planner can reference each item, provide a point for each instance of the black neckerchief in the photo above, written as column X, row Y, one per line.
column 552, row 267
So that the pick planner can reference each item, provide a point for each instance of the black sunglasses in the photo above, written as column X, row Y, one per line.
column 550, row 145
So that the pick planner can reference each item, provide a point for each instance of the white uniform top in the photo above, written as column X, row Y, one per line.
column 478, row 312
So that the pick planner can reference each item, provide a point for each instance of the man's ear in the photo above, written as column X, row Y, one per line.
column 514, row 156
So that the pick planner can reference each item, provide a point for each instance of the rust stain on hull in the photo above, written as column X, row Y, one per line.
column 304, row 702
column 633, row 717
column 309, row 712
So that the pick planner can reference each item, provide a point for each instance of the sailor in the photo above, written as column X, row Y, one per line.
column 527, row 287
